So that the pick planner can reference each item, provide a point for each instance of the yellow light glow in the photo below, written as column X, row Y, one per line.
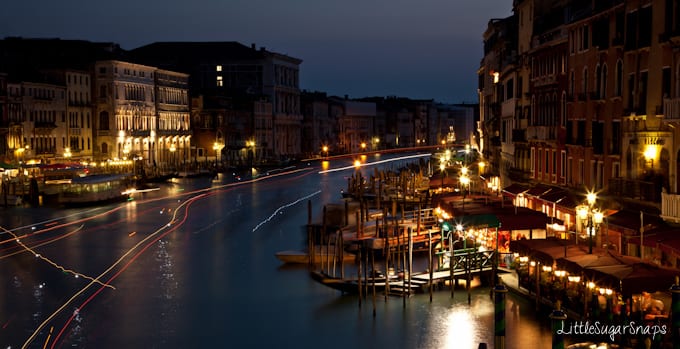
column 591, row 197
column 357, row 163
column 650, row 152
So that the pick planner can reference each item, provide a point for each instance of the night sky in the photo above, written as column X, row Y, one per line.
column 428, row 49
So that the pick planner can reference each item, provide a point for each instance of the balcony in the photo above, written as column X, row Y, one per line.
column 671, row 109
column 542, row 133
column 670, row 207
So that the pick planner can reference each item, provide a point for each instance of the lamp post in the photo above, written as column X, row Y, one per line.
column 251, row 152
column 325, row 150
column 172, row 155
column 442, row 168
column 590, row 217
column 216, row 148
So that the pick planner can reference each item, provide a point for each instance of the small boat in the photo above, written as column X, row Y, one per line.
column 321, row 255
column 96, row 189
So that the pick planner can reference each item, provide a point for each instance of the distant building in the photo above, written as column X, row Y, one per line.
column 355, row 124
column 233, row 69
column 319, row 129
column 141, row 112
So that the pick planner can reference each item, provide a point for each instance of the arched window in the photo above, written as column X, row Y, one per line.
column 104, row 120
column 603, row 93
column 105, row 148
column 533, row 111
column 572, row 83
column 618, row 85
column 598, row 81
column 563, row 114
column 584, row 82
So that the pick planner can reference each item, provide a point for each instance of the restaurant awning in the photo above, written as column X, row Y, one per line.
column 479, row 221
column 633, row 278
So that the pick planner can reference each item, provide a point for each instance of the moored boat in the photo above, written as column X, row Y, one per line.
column 96, row 189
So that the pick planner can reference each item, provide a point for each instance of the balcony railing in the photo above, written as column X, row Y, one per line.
column 670, row 207
column 671, row 109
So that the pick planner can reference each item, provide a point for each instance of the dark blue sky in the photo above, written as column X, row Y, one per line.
column 406, row 48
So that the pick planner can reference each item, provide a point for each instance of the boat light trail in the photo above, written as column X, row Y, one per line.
column 285, row 206
column 50, row 262
column 374, row 163
column 161, row 232
column 154, row 237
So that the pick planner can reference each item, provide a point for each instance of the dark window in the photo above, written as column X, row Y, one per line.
column 104, row 122
column 616, row 138
column 510, row 89
column 631, row 90
column 643, row 92
column 631, row 30
column 601, row 33
column 581, row 132
column 598, row 137
column 645, row 28
column 666, row 82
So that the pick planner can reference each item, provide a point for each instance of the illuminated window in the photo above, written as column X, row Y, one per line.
column 218, row 68
column 220, row 83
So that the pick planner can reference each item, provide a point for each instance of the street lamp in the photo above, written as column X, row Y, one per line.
column 325, row 150
column 67, row 152
column 465, row 181
column 216, row 148
column 363, row 146
column 590, row 217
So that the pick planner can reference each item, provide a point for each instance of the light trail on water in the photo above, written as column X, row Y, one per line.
column 149, row 241
column 285, row 206
column 375, row 163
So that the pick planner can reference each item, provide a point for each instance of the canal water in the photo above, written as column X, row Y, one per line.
column 189, row 268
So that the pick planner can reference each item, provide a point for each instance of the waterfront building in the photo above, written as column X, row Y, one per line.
column 355, row 124
column 669, row 45
column 44, row 120
column 548, row 86
column 318, row 128
column 594, row 107
column 500, row 50
column 5, row 152
column 79, row 115
column 142, row 113
column 516, row 150
column 454, row 123
column 126, row 122
column 232, row 69
column 172, row 107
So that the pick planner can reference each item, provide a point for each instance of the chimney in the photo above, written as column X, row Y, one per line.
column 252, row 46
